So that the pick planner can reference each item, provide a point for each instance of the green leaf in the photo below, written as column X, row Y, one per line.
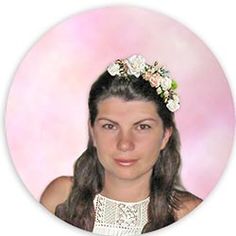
column 174, row 84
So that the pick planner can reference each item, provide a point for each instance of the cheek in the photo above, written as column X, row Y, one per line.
column 150, row 145
column 105, row 142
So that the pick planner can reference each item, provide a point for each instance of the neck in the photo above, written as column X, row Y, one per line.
column 126, row 190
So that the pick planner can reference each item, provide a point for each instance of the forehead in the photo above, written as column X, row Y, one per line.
column 117, row 107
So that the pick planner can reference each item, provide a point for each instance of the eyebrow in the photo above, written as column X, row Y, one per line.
column 140, row 121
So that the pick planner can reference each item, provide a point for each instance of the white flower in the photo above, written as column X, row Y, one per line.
column 159, row 90
column 176, row 98
column 172, row 105
column 114, row 69
column 166, row 94
column 166, row 83
column 136, row 65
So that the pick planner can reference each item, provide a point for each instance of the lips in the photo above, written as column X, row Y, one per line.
column 125, row 162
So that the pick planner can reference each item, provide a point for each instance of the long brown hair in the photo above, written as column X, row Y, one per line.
column 88, row 181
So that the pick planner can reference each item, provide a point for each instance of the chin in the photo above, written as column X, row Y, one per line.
column 127, row 175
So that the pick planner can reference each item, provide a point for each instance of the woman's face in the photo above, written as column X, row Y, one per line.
column 128, row 137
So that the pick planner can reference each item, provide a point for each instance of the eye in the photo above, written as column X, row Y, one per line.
column 144, row 127
column 109, row 126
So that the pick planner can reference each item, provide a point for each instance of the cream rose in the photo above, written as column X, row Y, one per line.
column 154, row 81
column 136, row 65
column 172, row 105
column 114, row 69
column 166, row 83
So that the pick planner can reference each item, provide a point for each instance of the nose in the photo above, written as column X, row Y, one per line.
column 125, row 142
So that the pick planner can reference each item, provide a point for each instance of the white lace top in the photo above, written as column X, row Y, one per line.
column 119, row 218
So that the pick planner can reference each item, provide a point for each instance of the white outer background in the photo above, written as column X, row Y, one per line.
column 23, row 22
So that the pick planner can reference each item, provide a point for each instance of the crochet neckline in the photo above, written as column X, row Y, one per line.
column 116, row 218
column 123, row 202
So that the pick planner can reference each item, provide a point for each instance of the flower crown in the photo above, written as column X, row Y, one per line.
column 158, row 77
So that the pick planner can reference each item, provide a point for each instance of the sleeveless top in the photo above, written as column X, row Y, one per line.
column 119, row 218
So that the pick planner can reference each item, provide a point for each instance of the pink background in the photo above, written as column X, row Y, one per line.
column 46, row 116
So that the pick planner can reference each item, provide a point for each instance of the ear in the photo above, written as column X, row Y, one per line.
column 166, row 136
column 91, row 132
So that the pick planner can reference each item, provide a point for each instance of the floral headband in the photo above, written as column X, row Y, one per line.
column 157, row 76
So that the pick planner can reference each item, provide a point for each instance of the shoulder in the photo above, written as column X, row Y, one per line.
column 56, row 192
column 186, row 203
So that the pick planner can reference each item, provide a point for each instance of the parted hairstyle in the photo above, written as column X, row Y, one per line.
column 88, row 179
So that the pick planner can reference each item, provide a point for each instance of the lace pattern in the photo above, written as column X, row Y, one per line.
column 119, row 218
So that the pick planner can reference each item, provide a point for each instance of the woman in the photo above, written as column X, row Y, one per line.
column 127, row 180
